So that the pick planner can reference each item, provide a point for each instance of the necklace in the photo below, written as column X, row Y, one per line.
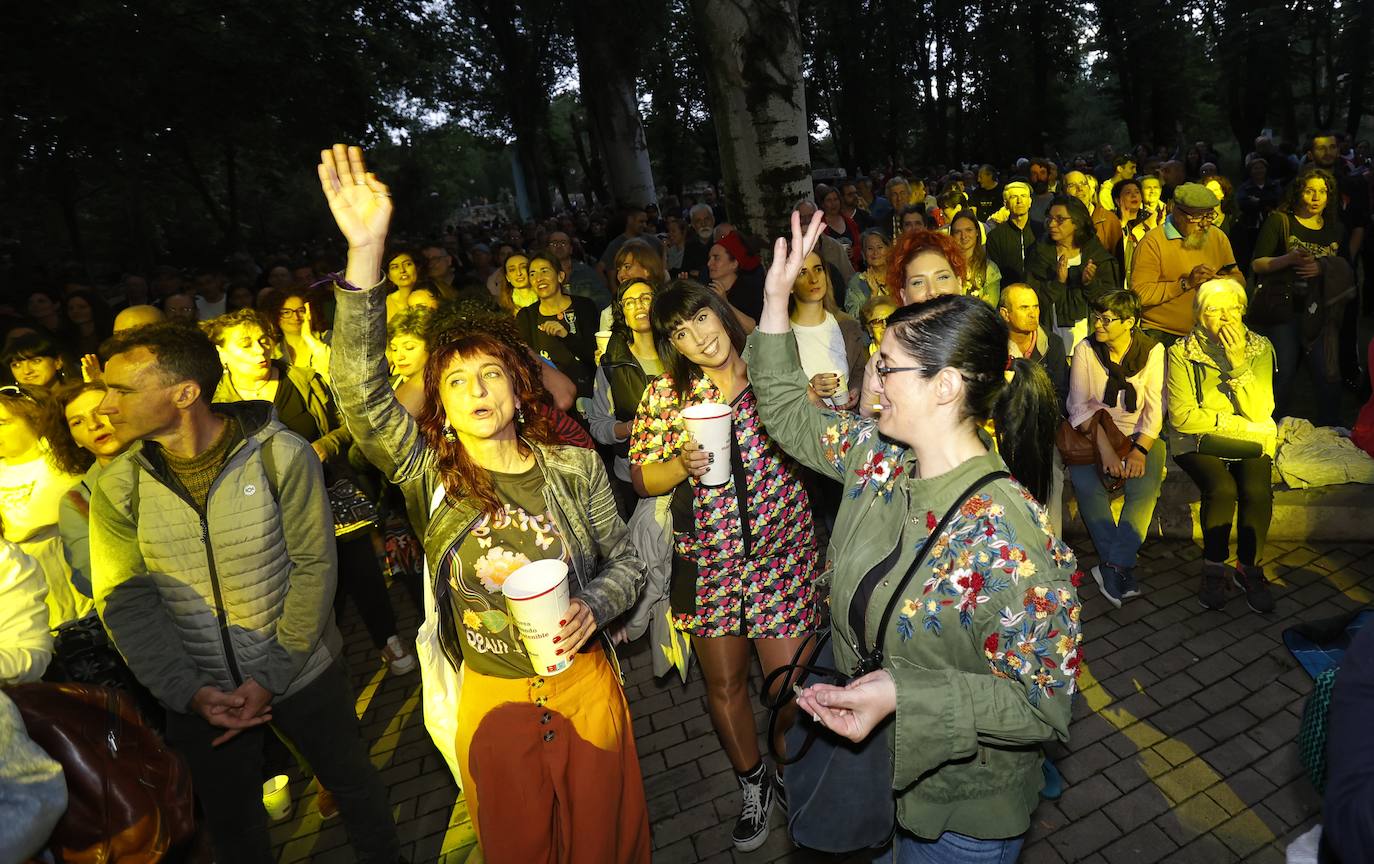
column 254, row 391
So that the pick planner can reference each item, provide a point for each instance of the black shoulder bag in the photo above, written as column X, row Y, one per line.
column 839, row 793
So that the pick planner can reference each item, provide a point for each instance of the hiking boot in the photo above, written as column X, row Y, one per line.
column 1212, row 594
column 398, row 660
column 1109, row 582
column 1129, row 587
column 1250, row 579
column 756, row 790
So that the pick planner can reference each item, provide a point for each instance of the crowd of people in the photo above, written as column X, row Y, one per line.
column 205, row 476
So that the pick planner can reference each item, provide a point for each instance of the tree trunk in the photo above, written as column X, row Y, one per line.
column 607, row 85
column 1358, row 36
column 591, row 166
column 758, row 106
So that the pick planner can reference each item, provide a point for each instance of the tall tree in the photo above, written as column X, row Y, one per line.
column 606, row 33
column 758, row 105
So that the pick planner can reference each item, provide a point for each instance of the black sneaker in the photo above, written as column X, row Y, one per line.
column 756, row 790
column 1251, row 580
column 1129, row 587
column 1109, row 583
column 1212, row 594
column 780, row 792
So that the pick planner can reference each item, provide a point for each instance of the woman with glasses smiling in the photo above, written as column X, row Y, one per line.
column 1069, row 268
column 296, row 316
column 1121, row 371
column 981, row 655
column 627, row 365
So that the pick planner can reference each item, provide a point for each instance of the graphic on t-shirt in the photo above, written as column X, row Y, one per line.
column 1317, row 249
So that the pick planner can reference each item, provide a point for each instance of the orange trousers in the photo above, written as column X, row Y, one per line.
column 549, row 767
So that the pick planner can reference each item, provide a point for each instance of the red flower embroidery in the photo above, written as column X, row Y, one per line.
column 931, row 521
column 990, row 644
column 1077, row 578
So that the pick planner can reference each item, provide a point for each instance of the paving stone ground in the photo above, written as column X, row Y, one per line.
column 1182, row 749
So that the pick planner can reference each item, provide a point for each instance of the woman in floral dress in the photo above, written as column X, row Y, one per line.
column 745, row 555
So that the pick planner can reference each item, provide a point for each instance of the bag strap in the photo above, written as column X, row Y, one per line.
column 872, row 660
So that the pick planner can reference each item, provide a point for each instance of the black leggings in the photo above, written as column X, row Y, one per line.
column 360, row 577
column 1239, row 488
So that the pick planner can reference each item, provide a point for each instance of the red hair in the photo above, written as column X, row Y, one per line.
column 913, row 243
column 462, row 477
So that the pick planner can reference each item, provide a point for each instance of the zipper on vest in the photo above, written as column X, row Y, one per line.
column 221, row 616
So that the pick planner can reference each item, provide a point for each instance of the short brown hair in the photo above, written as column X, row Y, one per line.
column 182, row 353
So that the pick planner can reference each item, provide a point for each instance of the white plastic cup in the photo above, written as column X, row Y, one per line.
column 537, row 598
column 603, row 340
column 276, row 797
column 711, row 424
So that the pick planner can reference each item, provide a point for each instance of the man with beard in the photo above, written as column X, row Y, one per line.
column 987, row 197
column 699, row 241
column 1043, row 174
column 1106, row 225
column 1009, row 241
column 1174, row 259
column 852, row 205
column 1324, row 152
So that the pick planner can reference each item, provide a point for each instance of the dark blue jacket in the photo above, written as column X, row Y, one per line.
column 1348, row 817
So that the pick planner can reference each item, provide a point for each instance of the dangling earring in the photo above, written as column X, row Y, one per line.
column 449, row 434
column 519, row 416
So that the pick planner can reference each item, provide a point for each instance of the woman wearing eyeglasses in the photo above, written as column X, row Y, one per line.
column 1069, row 268
column 1119, row 370
column 38, row 464
column 982, row 653
column 628, row 364
column 301, row 345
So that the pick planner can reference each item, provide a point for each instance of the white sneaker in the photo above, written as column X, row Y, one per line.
column 398, row 660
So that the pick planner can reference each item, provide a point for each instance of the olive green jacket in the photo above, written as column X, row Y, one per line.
column 984, row 643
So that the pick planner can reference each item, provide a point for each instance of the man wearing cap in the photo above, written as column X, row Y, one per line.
column 1015, row 233
column 1175, row 258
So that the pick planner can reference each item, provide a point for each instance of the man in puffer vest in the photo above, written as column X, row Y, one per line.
column 214, row 569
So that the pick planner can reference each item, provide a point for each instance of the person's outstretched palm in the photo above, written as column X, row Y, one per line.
column 361, row 203
column 788, row 257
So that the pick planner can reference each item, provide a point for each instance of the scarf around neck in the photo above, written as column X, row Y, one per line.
column 1134, row 360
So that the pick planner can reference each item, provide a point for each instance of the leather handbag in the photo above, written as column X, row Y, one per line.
column 128, row 794
column 1077, row 448
column 839, row 792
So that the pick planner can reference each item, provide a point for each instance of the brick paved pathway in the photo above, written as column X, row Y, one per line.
column 1182, row 747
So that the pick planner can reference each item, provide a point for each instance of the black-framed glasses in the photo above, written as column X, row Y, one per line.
column 1104, row 319
column 293, row 313
column 638, row 300
column 1059, row 220
column 871, row 321
column 1206, row 218
column 884, row 371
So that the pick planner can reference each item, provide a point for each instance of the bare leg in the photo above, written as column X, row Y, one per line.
column 725, row 665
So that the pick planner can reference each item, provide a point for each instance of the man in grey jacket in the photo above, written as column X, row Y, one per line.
column 214, row 570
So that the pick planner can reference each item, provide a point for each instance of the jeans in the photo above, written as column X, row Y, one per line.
column 1239, row 488
column 1118, row 542
column 320, row 719
column 951, row 848
column 1288, row 351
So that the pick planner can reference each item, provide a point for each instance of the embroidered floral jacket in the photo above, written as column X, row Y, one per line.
column 985, row 643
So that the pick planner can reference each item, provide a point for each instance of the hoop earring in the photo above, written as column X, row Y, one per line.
column 449, row 435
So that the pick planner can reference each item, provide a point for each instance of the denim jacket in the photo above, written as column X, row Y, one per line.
column 607, row 573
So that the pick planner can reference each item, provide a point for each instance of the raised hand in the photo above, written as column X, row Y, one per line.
column 788, row 258
column 361, row 203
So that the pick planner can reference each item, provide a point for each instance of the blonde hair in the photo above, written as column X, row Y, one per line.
column 1211, row 288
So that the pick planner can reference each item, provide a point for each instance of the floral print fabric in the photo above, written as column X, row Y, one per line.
column 479, row 566
column 761, row 586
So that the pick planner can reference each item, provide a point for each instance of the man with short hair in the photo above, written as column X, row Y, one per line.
column 1043, row 174
column 214, row 570
column 137, row 316
column 1019, row 306
column 1009, row 241
column 987, row 197
column 181, row 309
column 210, row 286
column 851, row 205
column 1171, row 175
column 439, row 266
column 1106, row 224
column 699, row 242
column 886, row 210
column 1173, row 260
column 580, row 280
column 1125, row 170
column 636, row 225
column 1324, row 152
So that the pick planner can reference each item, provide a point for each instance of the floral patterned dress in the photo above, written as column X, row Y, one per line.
column 727, row 583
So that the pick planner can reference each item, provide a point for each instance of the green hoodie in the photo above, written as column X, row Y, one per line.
column 984, row 644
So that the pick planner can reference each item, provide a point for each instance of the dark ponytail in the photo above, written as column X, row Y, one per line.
column 1026, row 416
column 964, row 333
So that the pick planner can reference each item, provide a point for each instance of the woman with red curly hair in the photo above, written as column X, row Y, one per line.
column 548, row 762
column 924, row 264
